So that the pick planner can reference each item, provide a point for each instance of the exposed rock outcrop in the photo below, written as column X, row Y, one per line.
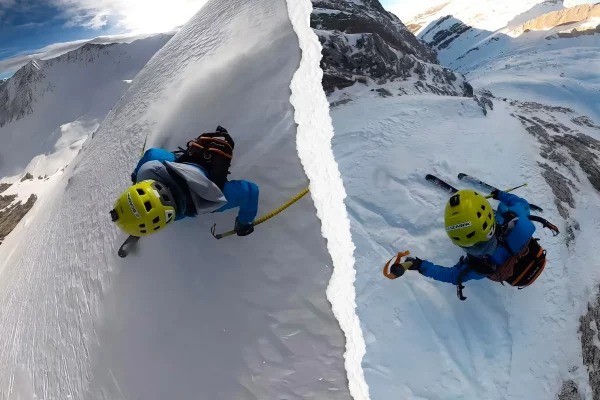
column 10, row 216
column 588, row 329
column 362, row 41
column 568, row 16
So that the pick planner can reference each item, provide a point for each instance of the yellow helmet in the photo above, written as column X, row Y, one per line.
column 469, row 219
column 144, row 208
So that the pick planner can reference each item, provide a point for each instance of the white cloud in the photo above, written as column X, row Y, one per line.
column 54, row 50
column 139, row 16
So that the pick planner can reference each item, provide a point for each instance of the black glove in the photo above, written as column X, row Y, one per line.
column 495, row 194
column 398, row 270
column 243, row 229
column 416, row 263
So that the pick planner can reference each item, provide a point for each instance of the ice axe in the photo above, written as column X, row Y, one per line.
column 387, row 270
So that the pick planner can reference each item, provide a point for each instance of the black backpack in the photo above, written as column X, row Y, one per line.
column 211, row 151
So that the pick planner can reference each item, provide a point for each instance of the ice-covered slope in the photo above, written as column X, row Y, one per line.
column 186, row 316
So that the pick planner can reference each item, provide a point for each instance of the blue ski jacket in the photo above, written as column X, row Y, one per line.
column 238, row 193
column 513, row 242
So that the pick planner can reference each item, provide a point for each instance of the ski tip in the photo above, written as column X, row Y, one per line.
column 461, row 175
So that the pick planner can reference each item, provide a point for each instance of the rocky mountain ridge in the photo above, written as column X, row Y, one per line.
column 364, row 43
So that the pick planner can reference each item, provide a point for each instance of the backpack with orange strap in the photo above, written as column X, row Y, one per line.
column 211, row 151
column 520, row 270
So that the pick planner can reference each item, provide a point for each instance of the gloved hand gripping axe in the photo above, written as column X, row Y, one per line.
column 397, row 269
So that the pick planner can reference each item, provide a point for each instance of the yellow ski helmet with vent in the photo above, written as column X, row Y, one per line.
column 469, row 219
column 145, row 208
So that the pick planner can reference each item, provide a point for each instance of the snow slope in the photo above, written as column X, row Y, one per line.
column 535, row 66
column 422, row 342
column 185, row 316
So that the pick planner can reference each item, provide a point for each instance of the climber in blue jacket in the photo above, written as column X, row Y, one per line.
column 168, row 187
column 499, row 245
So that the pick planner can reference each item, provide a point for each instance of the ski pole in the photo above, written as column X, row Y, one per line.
column 262, row 219
column 507, row 190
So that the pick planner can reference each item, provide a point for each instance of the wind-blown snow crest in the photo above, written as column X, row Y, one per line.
column 315, row 132
column 184, row 316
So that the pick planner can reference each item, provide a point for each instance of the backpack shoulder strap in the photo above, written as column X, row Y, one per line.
column 461, row 277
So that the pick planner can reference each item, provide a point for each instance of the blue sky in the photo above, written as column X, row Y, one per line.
column 31, row 28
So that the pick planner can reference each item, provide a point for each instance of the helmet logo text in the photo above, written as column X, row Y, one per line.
column 133, row 209
column 459, row 226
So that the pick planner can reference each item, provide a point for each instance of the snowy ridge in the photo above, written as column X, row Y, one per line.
column 568, row 16
column 462, row 26
column 241, row 318
column 573, row 22
column 314, row 125
column 488, row 15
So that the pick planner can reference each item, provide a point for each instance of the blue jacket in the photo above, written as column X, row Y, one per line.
column 242, row 194
column 514, row 241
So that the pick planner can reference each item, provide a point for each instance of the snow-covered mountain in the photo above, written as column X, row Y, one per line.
column 362, row 41
column 487, row 15
column 49, row 107
column 45, row 101
column 185, row 316
column 364, row 47
column 459, row 28
column 579, row 20
column 540, row 97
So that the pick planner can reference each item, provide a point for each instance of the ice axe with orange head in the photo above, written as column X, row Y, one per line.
column 398, row 268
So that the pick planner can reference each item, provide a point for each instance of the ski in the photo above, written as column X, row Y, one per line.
column 441, row 184
column 127, row 245
column 475, row 181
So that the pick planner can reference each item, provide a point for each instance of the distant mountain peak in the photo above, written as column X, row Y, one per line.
column 30, row 83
